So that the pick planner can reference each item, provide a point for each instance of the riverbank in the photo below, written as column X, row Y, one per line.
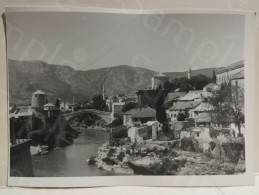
column 164, row 158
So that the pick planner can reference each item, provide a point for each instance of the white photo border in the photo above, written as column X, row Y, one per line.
column 191, row 180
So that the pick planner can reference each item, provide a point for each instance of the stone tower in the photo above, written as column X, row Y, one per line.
column 159, row 80
column 38, row 100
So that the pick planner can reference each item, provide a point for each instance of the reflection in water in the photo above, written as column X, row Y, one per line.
column 71, row 160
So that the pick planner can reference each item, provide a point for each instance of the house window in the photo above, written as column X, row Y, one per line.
column 198, row 134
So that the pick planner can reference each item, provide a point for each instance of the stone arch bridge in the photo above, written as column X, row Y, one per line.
column 106, row 116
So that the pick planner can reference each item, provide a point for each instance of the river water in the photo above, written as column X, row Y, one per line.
column 71, row 160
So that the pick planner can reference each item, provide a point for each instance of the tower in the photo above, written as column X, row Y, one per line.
column 103, row 91
column 189, row 72
column 38, row 100
column 159, row 80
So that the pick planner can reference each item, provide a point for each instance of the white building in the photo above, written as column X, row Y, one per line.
column 225, row 74
column 66, row 106
column 117, row 108
column 49, row 106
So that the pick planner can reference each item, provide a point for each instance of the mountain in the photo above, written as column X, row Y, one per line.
column 64, row 82
column 25, row 77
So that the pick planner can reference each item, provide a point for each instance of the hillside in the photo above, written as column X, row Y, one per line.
column 64, row 82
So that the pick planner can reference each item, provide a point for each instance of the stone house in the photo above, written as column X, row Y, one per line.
column 172, row 97
column 203, row 120
column 196, row 95
column 181, row 107
column 127, row 120
column 143, row 116
column 147, row 131
column 117, row 108
column 203, row 107
column 66, row 106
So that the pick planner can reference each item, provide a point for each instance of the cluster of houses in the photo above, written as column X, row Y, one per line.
column 115, row 103
column 39, row 102
column 189, row 113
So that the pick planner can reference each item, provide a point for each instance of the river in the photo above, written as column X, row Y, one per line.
column 71, row 160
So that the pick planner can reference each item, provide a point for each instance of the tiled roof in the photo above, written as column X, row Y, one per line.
column 174, row 95
column 203, row 117
column 184, row 105
column 196, row 94
column 239, row 75
column 49, row 105
column 233, row 66
column 132, row 111
column 204, row 106
column 145, row 113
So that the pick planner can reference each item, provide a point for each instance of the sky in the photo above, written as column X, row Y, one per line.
column 161, row 42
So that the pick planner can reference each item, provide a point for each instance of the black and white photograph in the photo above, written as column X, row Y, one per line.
column 128, row 97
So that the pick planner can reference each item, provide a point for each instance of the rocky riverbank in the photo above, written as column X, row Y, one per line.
column 161, row 158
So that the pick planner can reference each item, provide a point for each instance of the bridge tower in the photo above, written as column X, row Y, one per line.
column 38, row 100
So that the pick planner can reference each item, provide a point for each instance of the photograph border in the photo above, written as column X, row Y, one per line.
column 216, row 180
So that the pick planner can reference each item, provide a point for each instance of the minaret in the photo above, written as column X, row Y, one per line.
column 189, row 72
column 103, row 91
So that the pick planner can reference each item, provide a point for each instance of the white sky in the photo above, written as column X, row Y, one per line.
column 94, row 40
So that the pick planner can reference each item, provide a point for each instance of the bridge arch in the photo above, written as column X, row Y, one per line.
column 106, row 116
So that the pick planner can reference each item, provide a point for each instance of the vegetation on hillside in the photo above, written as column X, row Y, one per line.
column 184, row 84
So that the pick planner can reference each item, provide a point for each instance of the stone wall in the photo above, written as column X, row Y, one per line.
column 20, row 160
column 138, row 135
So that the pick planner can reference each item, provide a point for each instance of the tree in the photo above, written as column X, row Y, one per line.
column 99, row 103
column 161, row 114
column 166, row 129
column 57, row 104
column 169, row 86
column 214, row 78
column 129, row 106
column 185, row 84
column 199, row 81
column 229, row 109
column 160, row 108
column 117, row 122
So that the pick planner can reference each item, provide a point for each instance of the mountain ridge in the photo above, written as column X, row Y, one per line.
column 62, row 81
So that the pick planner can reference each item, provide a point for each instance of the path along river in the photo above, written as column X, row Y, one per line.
column 71, row 160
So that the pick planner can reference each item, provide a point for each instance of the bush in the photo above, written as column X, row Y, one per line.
column 233, row 150
column 189, row 144
column 117, row 122
column 120, row 132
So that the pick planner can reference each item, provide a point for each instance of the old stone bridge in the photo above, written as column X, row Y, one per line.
column 106, row 116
